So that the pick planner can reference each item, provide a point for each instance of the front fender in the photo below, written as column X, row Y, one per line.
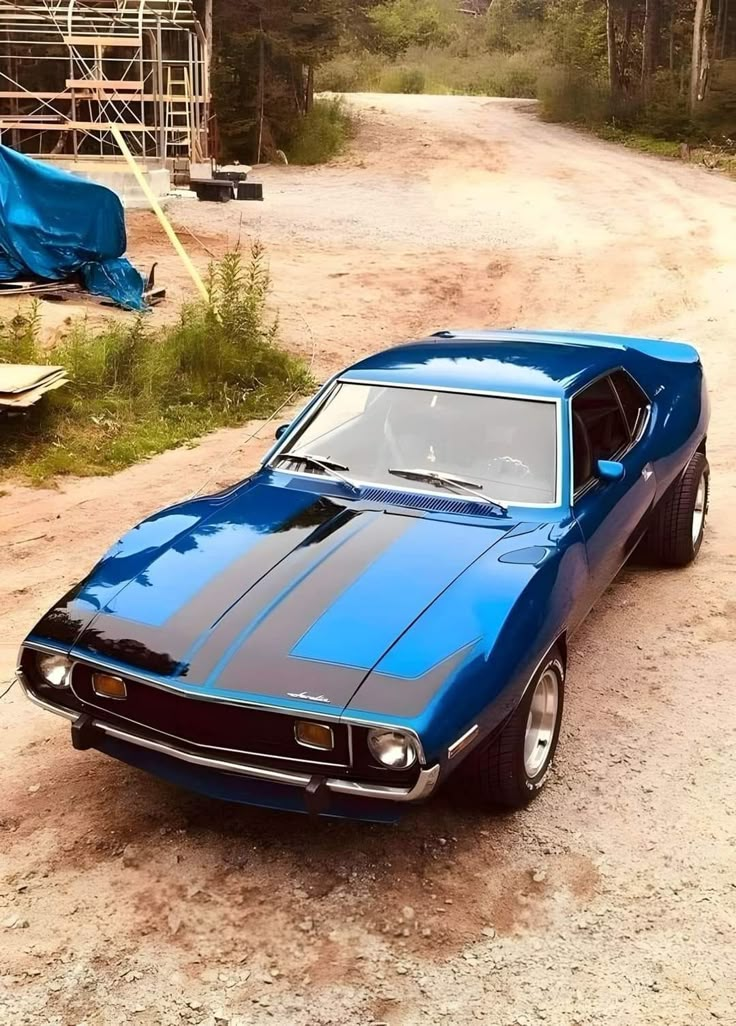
column 469, row 657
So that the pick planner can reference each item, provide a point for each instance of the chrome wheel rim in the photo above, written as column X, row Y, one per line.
column 699, row 510
column 541, row 723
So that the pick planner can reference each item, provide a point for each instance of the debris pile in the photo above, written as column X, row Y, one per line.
column 58, row 228
column 22, row 385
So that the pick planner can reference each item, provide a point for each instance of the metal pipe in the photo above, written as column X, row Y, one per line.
column 160, row 89
column 188, row 99
column 142, row 74
column 196, row 111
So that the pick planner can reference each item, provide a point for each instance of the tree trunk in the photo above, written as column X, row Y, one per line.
column 208, row 26
column 310, row 89
column 611, row 49
column 261, row 99
column 699, row 64
column 623, row 71
column 717, row 31
column 649, row 44
column 721, row 42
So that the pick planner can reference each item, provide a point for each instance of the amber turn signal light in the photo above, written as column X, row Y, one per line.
column 107, row 686
column 314, row 735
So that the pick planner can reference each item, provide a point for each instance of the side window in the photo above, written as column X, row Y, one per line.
column 599, row 431
column 633, row 400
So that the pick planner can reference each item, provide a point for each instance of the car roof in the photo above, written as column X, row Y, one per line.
column 539, row 364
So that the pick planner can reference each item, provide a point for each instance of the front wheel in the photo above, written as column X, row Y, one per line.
column 510, row 769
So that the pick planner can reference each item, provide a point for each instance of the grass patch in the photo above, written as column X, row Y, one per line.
column 323, row 133
column 435, row 71
column 638, row 141
column 136, row 390
column 713, row 157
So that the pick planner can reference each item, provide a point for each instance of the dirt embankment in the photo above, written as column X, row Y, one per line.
column 124, row 901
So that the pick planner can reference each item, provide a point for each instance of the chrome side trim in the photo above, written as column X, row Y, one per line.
column 462, row 742
column 538, row 667
column 634, row 438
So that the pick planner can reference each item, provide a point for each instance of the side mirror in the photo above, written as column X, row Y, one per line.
column 609, row 470
column 281, row 430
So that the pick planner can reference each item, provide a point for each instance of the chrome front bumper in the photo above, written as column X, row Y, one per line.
column 423, row 787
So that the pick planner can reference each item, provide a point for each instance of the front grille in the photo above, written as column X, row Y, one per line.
column 219, row 727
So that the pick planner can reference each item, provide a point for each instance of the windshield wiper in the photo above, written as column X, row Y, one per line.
column 323, row 463
column 460, row 484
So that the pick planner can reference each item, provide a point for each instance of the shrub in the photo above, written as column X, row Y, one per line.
column 19, row 337
column 567, row 94
column 321, row 134
column 135, row 389
column 403, row 80
column 665, row 114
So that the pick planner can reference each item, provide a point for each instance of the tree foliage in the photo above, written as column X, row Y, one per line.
column 399, row 24
column 663, row 66
column 264, row 50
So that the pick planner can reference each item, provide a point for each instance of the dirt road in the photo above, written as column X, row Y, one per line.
column 613, row 899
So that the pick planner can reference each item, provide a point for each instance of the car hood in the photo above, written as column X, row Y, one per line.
column 269, row 593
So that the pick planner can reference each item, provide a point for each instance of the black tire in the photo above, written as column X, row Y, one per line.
column 495, row 772
column 669, row 539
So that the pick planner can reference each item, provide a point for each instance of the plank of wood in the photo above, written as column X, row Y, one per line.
column 66, row 126
column 23, row 94
column 26, row 399
column 19, row 377
column 104, row 83
column 102, row 40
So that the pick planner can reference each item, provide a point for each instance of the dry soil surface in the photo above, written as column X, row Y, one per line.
column 611, row 900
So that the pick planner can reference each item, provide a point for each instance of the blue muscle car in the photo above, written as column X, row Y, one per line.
column 389, row 598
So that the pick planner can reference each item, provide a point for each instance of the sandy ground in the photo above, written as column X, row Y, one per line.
column 613, row 899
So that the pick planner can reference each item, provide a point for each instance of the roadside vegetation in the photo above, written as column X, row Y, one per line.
column 323, row 133
column 658, row 75
column 136, row 390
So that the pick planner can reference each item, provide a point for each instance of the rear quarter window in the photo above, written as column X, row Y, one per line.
column 633, row 400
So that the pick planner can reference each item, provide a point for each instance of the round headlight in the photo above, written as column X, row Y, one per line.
column 54, row 669
column 391, row 748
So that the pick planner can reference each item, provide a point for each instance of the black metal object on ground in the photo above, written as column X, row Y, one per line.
column 212, row 190
column 250, row 191
column 236, row 177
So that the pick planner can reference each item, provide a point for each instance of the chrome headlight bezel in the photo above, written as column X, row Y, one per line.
column 54, row 669
column 392, row 749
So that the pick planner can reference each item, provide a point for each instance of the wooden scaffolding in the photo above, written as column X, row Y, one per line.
column 70, row 68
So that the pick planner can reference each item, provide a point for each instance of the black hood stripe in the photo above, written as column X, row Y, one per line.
column 247, row 652
column 165, row 649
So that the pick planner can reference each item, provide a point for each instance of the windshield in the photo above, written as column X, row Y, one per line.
column 504, row 445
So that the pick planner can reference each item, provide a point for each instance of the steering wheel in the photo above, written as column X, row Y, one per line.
column 509, row 466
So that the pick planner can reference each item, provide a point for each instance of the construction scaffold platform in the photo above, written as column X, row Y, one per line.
column 70, row 68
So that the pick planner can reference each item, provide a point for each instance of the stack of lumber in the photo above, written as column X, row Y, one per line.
column 22, row 385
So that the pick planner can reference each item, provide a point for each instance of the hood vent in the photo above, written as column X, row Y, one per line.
column 429, row 503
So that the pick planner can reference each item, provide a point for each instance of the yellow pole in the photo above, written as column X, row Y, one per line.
column 156, row 207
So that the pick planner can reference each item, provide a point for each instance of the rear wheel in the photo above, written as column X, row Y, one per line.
column 675, row 536
column 510, row 769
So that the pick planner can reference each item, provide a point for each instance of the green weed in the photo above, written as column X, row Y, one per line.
column 322, row 134
column 135, row 390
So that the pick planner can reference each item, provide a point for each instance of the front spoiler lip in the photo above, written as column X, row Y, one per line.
column 423, row 787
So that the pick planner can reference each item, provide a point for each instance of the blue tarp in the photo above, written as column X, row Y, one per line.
column 54, row 225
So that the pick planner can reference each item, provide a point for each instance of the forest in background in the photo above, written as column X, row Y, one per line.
column 664, row 68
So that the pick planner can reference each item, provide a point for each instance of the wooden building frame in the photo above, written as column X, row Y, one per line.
column 70, row 68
